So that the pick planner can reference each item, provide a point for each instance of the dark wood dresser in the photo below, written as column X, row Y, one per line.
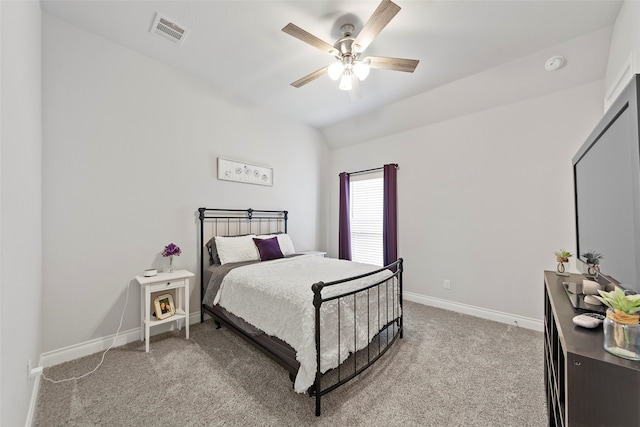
column 585, row 385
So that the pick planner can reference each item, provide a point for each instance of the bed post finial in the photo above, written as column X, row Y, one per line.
column 286, row 218
column 201, row 210
column 250, row 213
column 317, row 297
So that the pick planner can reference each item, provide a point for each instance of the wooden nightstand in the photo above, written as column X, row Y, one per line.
column 178, row 280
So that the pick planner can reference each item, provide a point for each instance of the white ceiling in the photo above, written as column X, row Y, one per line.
column 239, row 48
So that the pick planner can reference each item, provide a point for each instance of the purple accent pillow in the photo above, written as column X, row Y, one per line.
column 268, row 248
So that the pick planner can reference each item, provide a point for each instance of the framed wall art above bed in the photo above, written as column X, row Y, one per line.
column 335, row 317
column 234, row 170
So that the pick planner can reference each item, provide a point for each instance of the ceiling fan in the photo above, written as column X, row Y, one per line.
column 350, row 68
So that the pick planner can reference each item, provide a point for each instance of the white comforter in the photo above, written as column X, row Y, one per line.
column 276, row 297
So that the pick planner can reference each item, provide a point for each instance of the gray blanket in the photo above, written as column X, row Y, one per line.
column 218, row 272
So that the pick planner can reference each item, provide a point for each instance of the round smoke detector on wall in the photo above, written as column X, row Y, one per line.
column 554, row 63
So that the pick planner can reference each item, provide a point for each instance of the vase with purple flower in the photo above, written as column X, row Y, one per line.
column 170, row 251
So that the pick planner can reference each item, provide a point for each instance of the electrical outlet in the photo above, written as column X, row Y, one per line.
column 447, row 284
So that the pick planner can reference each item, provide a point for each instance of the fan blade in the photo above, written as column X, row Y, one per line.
column 396, row 64
column 300, row 34
column 310, row 77
column 381, row 17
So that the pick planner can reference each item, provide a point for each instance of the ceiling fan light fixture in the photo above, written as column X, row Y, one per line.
column 361, row 69
column 335, row 70
column 345, row 81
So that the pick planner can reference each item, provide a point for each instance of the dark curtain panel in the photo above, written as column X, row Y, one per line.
column 390, row 215
column 344, row 228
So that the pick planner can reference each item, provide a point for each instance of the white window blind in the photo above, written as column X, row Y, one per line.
column 366, row 219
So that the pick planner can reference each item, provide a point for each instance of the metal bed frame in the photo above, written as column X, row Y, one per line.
column 233, row 222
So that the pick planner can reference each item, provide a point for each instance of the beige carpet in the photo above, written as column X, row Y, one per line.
column 448, row 370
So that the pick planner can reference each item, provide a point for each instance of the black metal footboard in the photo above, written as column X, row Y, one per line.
column 387, row 315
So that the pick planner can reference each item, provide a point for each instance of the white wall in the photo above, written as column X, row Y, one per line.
column 129, row 155
column 624, row 51
column 484, row 199
column 20, row 200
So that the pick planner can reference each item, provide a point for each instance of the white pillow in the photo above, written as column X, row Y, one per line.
column 284, row 241
column 237, row 249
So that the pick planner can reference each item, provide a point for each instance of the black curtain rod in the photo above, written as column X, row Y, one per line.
column 370, row 170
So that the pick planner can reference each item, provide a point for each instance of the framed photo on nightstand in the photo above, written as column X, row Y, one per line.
column 164, row 306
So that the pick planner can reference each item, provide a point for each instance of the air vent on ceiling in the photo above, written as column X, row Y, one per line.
column 168, row 30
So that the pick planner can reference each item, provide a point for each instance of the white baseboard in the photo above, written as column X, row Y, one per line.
column 76, row 351
column 34, row 401
column 72, row 352
column 483, row 313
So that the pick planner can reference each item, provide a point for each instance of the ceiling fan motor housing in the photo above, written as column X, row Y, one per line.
column 344, row 45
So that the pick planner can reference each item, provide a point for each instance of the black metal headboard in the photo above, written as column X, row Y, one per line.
column 236, row 222
column 233, row 222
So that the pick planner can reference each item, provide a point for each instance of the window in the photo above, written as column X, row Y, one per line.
column 367, row 219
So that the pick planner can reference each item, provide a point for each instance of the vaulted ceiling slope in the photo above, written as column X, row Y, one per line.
column 238, row 46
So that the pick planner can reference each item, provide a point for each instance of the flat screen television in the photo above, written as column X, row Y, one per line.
column 606, row 173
